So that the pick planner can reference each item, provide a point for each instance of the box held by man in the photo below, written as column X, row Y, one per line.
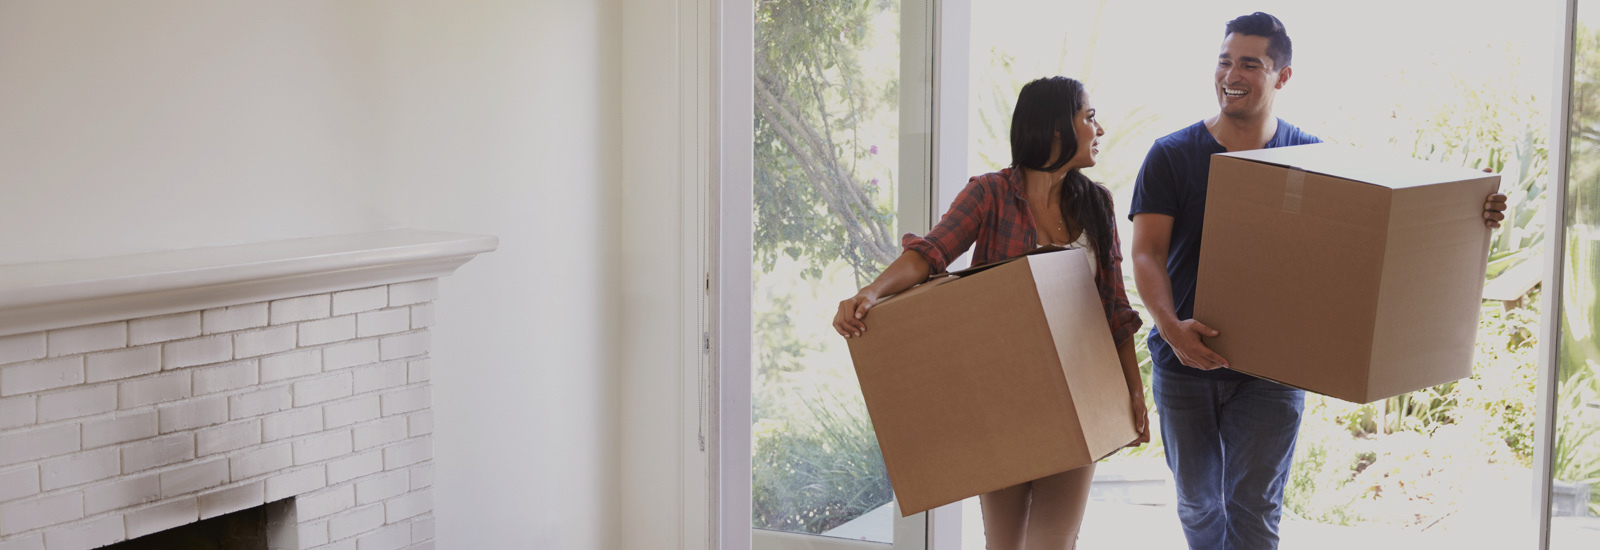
column 1351, row 273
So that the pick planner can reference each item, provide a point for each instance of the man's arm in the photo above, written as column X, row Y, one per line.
column 1152, row 235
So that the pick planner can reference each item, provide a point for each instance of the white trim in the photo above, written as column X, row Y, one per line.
column 50, row 295
column 917, row 47
column 733, row 180
column 1549, row 358
column 779, row 540
column 951, row 51
column 952, row 45
column 919, row 34
column 698, row 401
column 951, row 67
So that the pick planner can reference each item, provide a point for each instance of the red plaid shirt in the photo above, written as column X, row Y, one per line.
column 992, row 212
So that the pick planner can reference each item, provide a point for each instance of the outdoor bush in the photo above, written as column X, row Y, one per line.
column 1577, row 451
column 818, row 466
column 1325, row 460
column 1407, row 462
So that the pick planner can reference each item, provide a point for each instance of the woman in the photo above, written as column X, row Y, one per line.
column 1042, row 198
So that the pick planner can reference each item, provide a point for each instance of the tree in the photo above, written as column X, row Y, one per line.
column 810, row 101
column 1580, row 343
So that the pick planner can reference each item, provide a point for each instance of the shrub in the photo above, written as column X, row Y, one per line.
column 818, row 466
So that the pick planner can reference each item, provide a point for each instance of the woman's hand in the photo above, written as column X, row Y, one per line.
column 1141, row 420
column 851, row 319
column 904, row 272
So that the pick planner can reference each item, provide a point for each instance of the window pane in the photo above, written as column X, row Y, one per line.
column 831, row 154
column 1575, row 510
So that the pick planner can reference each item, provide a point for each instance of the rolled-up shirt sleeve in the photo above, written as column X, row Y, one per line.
column 956, row 231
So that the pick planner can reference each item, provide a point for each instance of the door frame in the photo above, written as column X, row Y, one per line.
column 725, row 487
column 1549, row 355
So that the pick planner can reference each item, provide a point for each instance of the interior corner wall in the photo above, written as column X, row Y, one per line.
column 163, row 124
column 502, row 117
column 178, row 123
column 136, row 126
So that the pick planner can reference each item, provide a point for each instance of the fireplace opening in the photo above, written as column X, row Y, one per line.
column 242, row 530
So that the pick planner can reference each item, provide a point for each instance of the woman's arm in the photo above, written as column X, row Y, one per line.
column 1130, row 372
column 923, row 256
column 909, row 270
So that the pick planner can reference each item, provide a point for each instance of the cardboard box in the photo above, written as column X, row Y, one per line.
column 995, row 376
column 1354, row 274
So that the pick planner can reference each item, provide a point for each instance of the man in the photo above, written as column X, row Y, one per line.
column 1229, row 436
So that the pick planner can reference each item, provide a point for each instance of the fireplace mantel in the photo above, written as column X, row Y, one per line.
column 51, row 295
column 148, row 392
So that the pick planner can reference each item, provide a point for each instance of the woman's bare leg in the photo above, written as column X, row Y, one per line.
column 1055, row 513
column 1005, row 517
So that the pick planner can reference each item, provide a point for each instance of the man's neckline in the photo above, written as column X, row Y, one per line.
column 1276, row 135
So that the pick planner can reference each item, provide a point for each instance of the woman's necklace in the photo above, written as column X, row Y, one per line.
column 1061, row 225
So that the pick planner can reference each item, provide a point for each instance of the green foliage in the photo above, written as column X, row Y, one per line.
column 1499, row 399
column 1584, row 157
column 1576, row 458
column 779, row 350
column 812, row 101
column 1488, row 125
column 1404, row 462
column 818, row 467
column 1326, row 460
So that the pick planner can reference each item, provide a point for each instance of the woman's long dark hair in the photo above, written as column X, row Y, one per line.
column 1046, row 108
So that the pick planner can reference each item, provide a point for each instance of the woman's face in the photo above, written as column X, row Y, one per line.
column 1089, row 131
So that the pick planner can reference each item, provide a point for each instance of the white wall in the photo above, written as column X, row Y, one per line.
column 134, row 126
column 503, row 119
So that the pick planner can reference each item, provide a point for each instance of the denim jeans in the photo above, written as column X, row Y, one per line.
column 1229, row 444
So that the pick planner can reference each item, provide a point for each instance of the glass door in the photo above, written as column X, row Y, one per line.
column 842, row 97
column 1575, row 457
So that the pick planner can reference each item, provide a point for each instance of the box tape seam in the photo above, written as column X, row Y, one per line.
column 1293, row 190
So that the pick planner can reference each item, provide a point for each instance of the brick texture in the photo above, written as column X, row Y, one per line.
column 116, row 430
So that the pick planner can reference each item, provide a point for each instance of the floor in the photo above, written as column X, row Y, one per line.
column 1133, row 509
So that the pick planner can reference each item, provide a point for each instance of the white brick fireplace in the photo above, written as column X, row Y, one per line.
column 142, row 393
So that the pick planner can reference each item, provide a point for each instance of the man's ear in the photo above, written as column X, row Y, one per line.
column 1283, row 77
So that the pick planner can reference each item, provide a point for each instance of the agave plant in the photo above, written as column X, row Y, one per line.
column 1576, row 458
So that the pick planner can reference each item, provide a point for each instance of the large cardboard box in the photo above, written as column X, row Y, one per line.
column 994, row 376
column 1354, row 274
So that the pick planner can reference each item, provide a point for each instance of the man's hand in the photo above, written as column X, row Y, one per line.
column 1185, row 342
column 1493, row 207
column 1493, row 210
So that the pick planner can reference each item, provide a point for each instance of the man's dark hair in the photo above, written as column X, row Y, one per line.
column 1269, row 27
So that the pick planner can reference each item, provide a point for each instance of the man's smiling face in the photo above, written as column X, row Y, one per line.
column 1247, row 79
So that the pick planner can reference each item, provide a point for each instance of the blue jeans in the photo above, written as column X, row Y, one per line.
column 1229, row 444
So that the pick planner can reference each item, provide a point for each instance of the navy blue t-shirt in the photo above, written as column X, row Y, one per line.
column 1173, row 182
